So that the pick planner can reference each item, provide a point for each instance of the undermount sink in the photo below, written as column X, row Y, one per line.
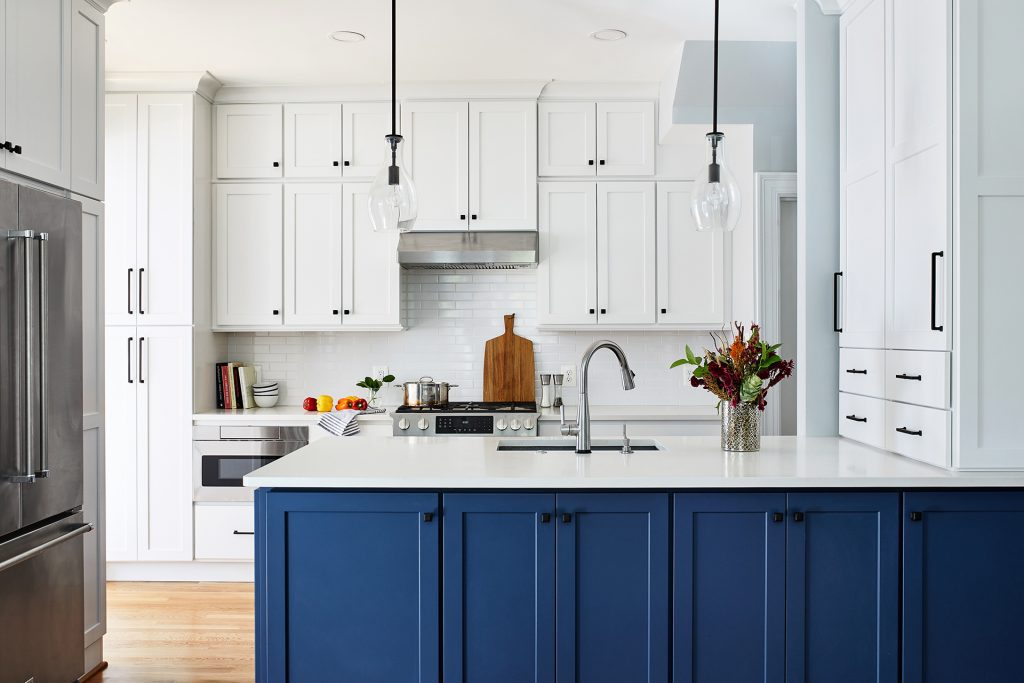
column 541, row 445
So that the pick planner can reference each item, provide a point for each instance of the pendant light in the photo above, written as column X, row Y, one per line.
column 392, row 194
column 715, row 203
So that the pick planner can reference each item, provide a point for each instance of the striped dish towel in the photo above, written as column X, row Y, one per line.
column 344, row 422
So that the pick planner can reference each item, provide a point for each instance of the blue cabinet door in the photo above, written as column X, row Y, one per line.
column 347, row 587
column 612, row 592
column 842, row 588
column 729, row 579
column 963, row 587
column 499, row 588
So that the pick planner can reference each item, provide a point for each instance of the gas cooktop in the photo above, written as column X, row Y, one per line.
column 467, row 418
column 473, row 407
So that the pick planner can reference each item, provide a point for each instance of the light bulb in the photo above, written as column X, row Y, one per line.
column 715, row 203
column 392, row 195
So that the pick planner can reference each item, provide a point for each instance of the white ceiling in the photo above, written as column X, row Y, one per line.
column 284, row 42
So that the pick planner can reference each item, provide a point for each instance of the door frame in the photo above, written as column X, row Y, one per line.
column 771, row 189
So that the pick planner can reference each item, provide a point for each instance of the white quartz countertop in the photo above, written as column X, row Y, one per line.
column 279, row 415
column 685, row 462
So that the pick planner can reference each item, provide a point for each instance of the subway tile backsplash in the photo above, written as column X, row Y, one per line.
column 449, row 315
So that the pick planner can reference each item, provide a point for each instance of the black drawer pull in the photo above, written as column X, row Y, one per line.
column 566, row 518
column 778, row 517
column 852, row 371
column 798, row 516
column 428, row 517
column 854, row 418
column 911, row 432
column 545, row 517
column 236, row 532
column 916, row 378
column 915, row 516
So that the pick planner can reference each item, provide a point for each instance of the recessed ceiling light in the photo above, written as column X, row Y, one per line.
column 347, row 36
column 608, row 34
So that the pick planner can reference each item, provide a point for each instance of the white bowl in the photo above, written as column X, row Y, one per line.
column 266, row 401
column 265, row 392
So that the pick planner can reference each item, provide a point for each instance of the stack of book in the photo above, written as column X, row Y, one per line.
column 234, row 385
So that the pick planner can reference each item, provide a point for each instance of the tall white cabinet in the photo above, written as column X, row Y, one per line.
column 931, row 192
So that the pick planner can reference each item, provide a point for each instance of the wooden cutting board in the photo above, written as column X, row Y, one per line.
column 508, row 366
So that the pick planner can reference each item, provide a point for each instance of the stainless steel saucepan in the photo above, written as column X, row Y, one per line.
column 426, row 392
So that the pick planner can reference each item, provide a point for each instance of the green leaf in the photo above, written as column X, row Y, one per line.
column 676, row 364
column 700, row 372
column 388, row 379
column 689, row 355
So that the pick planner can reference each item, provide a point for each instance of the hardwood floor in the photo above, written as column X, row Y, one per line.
column 178, row 633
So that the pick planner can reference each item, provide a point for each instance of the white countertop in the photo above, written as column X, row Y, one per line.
column 280, row 415
column 686, row 462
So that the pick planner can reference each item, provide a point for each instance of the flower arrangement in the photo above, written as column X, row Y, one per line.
column 740, row 371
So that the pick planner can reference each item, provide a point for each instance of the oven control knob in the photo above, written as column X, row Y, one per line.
column 500, row 424
column 423, row 424
column 403, row 424
column 515, row 425
column 529, row 423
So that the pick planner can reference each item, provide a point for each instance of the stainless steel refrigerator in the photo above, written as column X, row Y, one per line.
column 41, row 528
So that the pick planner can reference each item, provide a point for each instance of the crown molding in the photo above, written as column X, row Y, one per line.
column 380, row 92
column 201, row 82
column 564, row 90
column 102, row 5
column 833, row 6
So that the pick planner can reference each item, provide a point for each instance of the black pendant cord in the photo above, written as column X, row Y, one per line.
column 714, row 104
column 394, row 99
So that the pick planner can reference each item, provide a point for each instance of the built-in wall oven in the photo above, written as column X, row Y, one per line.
column 225, row 453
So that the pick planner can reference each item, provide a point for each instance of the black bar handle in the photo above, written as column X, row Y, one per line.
column 835, row 302
column 236, row 532
column 141, row 339
column 130, row 340
column 130, row 311
column 141, row 271
column 915, row 516
column 778, row 517
column 798, row 516
column 935, row 254
column 854, row 418
column 566, row 517
column 852, row 371
column 916, row 378
column 911, row 432
column 545, row 517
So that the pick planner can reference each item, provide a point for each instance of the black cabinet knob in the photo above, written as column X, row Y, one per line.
column 602, row 162
column 915, row 516
column 277, row 312
column 545, row 517
column 348, row 163
column 603, row 311
column 591, row 311
column 798, row 516
column 336, row 163
column 566, row 518
column 590, row 162
column 17, row 149
column 335, row 311
column 276, row 164
column 346, row 311
column 462, row 216
column 664, row 310
column 777, row 517
column 428, row 516
column 473, row 217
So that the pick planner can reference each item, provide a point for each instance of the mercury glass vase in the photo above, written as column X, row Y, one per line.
column 741, row 427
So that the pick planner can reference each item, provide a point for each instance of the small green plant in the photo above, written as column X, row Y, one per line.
column 374, row 385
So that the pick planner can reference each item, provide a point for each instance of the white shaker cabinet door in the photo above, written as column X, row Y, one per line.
column 567, row 139
column 87, row 51
column 436, row 135
column 371, row 275
column 164, row 474
column 691, row 264
column 312, row 254
column 567, row 272
column 312, row 140
column 248, row 140
column 625, row 138
column 503, row 165
column 861, row 315
column 163, row 286
column 364, row 125
column 248, row 235
column 121, row 375
column 120, row 289
column 625, row 253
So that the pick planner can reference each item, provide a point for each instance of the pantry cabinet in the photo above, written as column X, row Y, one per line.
column 596, row 138
column 249, row 141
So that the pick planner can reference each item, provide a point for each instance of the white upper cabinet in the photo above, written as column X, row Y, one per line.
column 87, row 50
column 364, row 125
column 625, row 138
column 567, row 272
column 626, row 230
column 603, row 139
column 312, row 254
column 37, row 68
column 370, row 272
column 691, row 264
column 503, row 165
column 918, row 122
column 121, row 140
column 861, row 316
column 436, row 139
column 249, row 141
column 312, row 141
column 248, row 255
column 567, row 138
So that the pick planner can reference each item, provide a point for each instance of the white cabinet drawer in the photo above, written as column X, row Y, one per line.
column 862, row 371
column 224, row 532
column 917, row 432
column 862, row 418
column 920, row 377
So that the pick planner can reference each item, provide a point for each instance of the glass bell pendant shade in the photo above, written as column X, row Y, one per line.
column 715, row 203
column 392, row 194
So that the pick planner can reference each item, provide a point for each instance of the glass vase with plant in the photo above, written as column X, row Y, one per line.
column 375, row 385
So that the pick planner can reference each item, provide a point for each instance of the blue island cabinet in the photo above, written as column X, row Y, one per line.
column 963, row 587
column 347, row 587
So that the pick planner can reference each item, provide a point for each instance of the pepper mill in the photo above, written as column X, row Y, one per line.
column 557, row 403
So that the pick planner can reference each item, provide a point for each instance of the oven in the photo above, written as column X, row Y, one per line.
column 223, row 454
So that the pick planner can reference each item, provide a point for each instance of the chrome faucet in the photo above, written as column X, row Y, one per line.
column 581, row 428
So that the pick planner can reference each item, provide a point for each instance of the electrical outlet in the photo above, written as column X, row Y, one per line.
column 568, row 375
column 379, row 371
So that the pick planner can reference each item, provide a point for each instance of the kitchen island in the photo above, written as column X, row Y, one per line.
column 396, row 558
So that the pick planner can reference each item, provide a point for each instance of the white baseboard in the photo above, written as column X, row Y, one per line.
column 179, row 571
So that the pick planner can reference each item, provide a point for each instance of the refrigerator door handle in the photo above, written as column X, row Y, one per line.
column 24, row 439
column 83, row 528
column 44, row 331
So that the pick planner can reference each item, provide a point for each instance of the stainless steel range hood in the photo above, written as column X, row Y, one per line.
column 468, row 249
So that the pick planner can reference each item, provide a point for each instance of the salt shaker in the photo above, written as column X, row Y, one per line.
column 558, row 390
column 545, row 390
